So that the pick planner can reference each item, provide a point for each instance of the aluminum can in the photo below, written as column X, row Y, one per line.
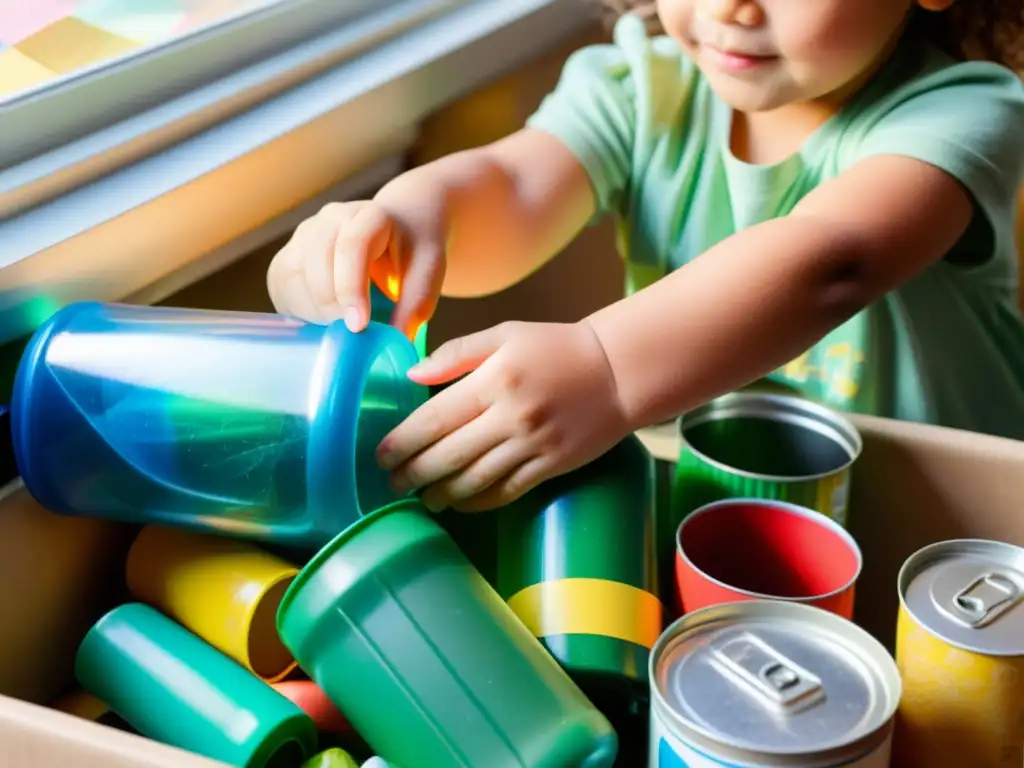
column 767, row 446
column 748, row 549
column 960, row 650
column 770, row 684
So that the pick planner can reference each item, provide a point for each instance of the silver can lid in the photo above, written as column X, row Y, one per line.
column 777, row 678
column 969, row 593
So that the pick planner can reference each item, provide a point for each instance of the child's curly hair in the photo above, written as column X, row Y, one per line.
column 991, row 30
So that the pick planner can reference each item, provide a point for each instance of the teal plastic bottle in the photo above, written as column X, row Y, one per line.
column 172, row 687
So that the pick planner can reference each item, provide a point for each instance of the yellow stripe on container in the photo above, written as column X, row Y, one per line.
column 589, row 607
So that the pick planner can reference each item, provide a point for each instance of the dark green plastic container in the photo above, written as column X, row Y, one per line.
column 576, row 562
column 425, row 659
column 172, row 687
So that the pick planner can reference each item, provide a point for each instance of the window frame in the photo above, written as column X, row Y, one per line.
column 170, row 209
column 203, row 78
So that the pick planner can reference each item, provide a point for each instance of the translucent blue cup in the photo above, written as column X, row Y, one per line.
column 255, row 425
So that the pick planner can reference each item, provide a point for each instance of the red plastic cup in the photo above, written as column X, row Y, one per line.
column 756, row 549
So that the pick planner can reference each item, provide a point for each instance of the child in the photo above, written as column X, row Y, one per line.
column 808, row 190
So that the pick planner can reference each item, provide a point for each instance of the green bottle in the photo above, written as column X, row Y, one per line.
column 576, row 562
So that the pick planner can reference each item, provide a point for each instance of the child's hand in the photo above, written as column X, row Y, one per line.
column 541, row 400
column 324, row 271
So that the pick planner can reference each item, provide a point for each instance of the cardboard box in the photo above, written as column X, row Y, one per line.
column 913, row 485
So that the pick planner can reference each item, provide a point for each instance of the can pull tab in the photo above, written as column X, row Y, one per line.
column 984, row 600
column 776, row 681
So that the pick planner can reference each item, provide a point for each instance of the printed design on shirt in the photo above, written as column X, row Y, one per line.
column 831, row 372
column 836, row 368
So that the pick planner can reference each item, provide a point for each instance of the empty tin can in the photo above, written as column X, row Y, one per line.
column 960, row 649
column 748, row 549
column 773, row 685
column 768, row 446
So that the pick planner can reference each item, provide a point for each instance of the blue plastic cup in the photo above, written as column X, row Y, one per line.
column 255, row 425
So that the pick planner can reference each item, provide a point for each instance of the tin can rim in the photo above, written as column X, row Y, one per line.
column 808, row 514
column 786, row 408
column 874, row 651
column 933, row 553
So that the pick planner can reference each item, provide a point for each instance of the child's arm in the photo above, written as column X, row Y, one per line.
column 467, row 224
column 543, row 399
column 505, row 209
column 762, row 296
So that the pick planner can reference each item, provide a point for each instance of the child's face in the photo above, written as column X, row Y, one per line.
column 763, row 54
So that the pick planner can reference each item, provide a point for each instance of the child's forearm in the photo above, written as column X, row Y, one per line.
column 503, row 210
column 746, row 307
column 765, row 295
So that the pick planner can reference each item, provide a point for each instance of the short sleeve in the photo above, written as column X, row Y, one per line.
column 592, row 111
column 966, row 119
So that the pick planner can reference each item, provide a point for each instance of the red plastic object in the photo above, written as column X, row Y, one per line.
column 308, row 697
column 752, row 549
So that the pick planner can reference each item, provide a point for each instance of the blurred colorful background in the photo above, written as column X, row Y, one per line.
column 43, row 40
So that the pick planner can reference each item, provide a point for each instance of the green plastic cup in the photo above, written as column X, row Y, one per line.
column 172, row 687
column 427, row 661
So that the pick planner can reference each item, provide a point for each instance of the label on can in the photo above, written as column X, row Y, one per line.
column 833, row 497
column 960, row 651
column 667, row 752
column 840, row 500
column 670, row 757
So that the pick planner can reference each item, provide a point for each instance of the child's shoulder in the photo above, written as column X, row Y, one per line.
column 923, row 76
column 927, row 105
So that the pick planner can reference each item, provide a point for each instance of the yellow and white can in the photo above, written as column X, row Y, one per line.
column 960, row 652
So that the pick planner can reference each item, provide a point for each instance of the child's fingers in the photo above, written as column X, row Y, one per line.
column 291, row 297
column 360, row 240
column 288, row 281
column 316, row 249
column 420, row 289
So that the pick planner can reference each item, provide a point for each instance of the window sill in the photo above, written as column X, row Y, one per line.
column 185, row 210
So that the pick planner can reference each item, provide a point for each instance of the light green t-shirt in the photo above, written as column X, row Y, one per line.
column 945, row 348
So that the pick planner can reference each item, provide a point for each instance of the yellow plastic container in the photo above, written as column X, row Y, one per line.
column 224, row 590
